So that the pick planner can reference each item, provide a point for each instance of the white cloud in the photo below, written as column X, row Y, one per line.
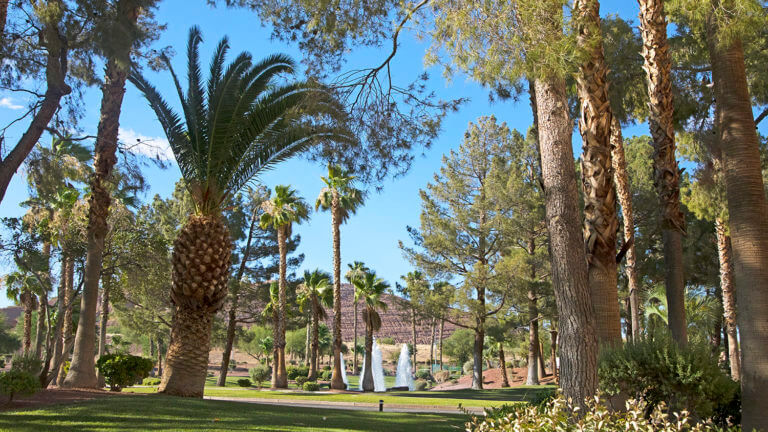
column 154, row 147
column 6, row 102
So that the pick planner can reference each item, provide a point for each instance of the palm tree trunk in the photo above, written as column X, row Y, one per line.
column 569, row 274
column 413, row 338
column 275, row 336
column 227, row 354
column 66, row 329
column 368, row 373
column 187, row 358
column 3, row 15
column 533, row 339
column 748, row 213
column 60, row 305
column 159, row 357
column 26, row 341
column 432, row 344
column 82, row 372
column 658, row 67
column 503, row 367
column 600, row 221
column 315, row 349
column 103, row 326
column 442, row 327
column 621, row 181
column 355, row 370
column 40, row 330
column 729, row 297
column 282, row 375
column 337, row 383
column 57, row 52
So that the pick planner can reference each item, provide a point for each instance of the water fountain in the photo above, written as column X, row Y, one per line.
column 376, row 368
column 404, row 378
column 344, row 371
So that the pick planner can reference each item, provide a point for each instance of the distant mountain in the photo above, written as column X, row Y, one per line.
column 11, row 314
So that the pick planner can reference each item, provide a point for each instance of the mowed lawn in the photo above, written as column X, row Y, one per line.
column 452, row 398
column 163, row 413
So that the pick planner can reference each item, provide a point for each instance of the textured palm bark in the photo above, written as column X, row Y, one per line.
column 413, row 337
column 533, row 339
column 658, row 69
column 315, row 347
column 40, row 325
column 186, row 363
column 431, row 343
column 355, row 370
column 275, row 319
column 621, row 181
column 337, row 382
column 600, row 220
column 28, row 305
column 56, row 67
column 729, row 297
column 3, row 15
column 748, row 223
column 578, row 344
column 67, row 338
column 57, row 342
column 368, row 373
column 279, row 367
column 103, row 320
column 442, row 327
column 82, row 371
column 503, row 367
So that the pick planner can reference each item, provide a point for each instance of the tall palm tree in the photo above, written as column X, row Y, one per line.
column 658, row 68
column 281, row 212
column 371, row 289
column 243, row 122
column 342, row 199
column 600, row 219
column 356, row 270
column 22, row 288
column 317, row 292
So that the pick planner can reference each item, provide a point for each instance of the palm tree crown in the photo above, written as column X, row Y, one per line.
column 284, row 209
column 242, row 123
column 340, row 183
column 371, row 288
column 316, row 284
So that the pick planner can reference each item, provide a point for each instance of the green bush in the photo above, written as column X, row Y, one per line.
column 459, row 345
column 468, row 366
column 18, row 382
column 26, row 363
column 326, row 367
column 386, row 341
column 260, row 373
column 326, row 375
column 420, row 385
column 424, row 374
column 311, row 386
column 244, row 382
column 153, row 381
column 595, row 417
column 232, row 364
column 2, row 362
column 442, row 376
column 657, row 371
column 300, row 380
column 295, row 371
column 123, row 370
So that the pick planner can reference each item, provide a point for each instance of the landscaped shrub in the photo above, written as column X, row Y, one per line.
column 509, row 365
column 232, row 364
column 424, row 374
column 311, row 386
column 326, row 375
column 18, row 382
column 300, row 380
column 153, row 381
column 468, row 366
column 658, row 371
column 295, row 371
column 420, row 385
column 387, row 341
column 558, row 414
column 442, row 376
column 26, row 363
column 123, row 370
column 326, row 367
column 260, row 373
column 244, row 382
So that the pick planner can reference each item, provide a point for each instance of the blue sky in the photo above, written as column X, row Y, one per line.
column 372, row 234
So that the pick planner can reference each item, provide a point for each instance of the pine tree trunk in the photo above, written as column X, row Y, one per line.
column 729, row 297
column 82, row 372
column 553, row 353
column 337, row 382
column 442, row 327
column 368, row 373
column 578, row 351
column 503, row 367
column 227, row 354
column 748, row 213
column 186, row 364
column 159, row 357
column 540, row 360
column 104, row 318
column 355, row 370
column 432, row 344
column 282, row 375
column 3, row 16
column 658, row 68
column 477, row 357
column 533, row 339
column 621, row 181
column 600, row 221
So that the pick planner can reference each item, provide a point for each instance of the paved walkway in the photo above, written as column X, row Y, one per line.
column 353, row 406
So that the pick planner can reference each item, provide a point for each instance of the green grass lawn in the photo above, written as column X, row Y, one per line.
column 161, row 413
column 467, row 398
column 389, row 381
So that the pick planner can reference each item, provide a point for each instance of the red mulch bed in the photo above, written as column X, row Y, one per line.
column 54, row 396
column 492, row 380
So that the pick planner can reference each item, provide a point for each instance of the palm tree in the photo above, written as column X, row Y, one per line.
column 22, row 288
column 281, row 212
column 658, row 68
column 246, row 122
column 415, row 283
column 317, row 292
column 371, row 289
column 356, row 270
column 340, row 197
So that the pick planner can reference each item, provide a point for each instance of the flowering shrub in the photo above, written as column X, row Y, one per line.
column 561, row 415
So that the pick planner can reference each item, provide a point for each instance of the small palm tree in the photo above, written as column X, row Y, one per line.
column 342, row 199
column 370, row 289
column 281, row 212
column 356, row 270
column 243, row 122
column 22, row 288
column 316, row 291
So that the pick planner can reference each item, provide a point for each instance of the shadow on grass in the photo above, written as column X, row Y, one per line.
column 164, row 413
column 515, row 394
